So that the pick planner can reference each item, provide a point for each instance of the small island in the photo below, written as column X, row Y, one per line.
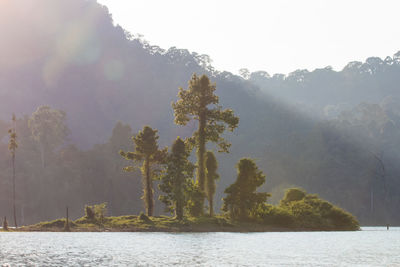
column 297, row 211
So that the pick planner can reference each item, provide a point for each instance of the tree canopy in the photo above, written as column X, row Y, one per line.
column 241, row 197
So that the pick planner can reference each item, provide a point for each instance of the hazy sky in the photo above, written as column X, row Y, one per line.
column 276, row 36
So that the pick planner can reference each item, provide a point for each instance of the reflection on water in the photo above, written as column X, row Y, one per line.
column 374, row 246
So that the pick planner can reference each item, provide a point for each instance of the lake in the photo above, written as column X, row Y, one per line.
column 373, row 246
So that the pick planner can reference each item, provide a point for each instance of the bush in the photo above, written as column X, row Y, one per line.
column 293, row 194
column 143, row 217
column 89, row 213
column 195, row 204
column 310, row 211
column 306, row 216
column 276, row 216
column 342, row 220
column 96, row 212
column 306, row 211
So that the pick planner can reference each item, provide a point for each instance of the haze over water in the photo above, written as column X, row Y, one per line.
column 374, row 246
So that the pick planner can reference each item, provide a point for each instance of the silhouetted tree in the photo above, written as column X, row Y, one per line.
column 12, row 147
column 177, row 178
column 120, row 139
column 146, row 151
column 211, row 176
column 193, row 104
column 48, row 129
column 241, row 197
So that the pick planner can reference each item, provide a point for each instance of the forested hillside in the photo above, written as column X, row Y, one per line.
column 309, row 129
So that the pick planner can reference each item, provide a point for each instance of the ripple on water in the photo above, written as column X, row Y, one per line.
column 370, row 247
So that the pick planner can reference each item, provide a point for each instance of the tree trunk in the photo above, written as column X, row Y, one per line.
column 201, row 151
column 15, row 212
column 148, row 190
column 179, row 210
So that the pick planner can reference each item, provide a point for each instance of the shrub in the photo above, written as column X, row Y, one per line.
column 96, row 212
column 310, row 211
column 292, row 194
column 342, row 220
column 306, row 216
column 242, row 197
column 89, row 213
column 273, row 215
column 143, row 217
column 195, row 204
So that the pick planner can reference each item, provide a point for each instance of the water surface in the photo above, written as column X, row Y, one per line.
column 374, row 246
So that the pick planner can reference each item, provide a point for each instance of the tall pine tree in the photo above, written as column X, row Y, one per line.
column 199, row 102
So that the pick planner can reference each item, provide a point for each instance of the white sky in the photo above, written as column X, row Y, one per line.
column 277, row 36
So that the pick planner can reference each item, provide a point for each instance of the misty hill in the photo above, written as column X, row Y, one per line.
column 329, row 92
column 68, row 54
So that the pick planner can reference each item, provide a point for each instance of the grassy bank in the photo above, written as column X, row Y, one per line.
column 133, row 223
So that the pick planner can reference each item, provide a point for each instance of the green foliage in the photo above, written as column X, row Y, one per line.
column 274, row 215
column 176, row 180
column 293, row 194
column 305, row 215
column 96, row 213
column 195, row 204
column 211, row 177
column 144, row 218
column 100, row 210
column 146, row 151
column 89, row 213
column 59, row 223
column 241, row 197
column 212, row 121
column 306, row 211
